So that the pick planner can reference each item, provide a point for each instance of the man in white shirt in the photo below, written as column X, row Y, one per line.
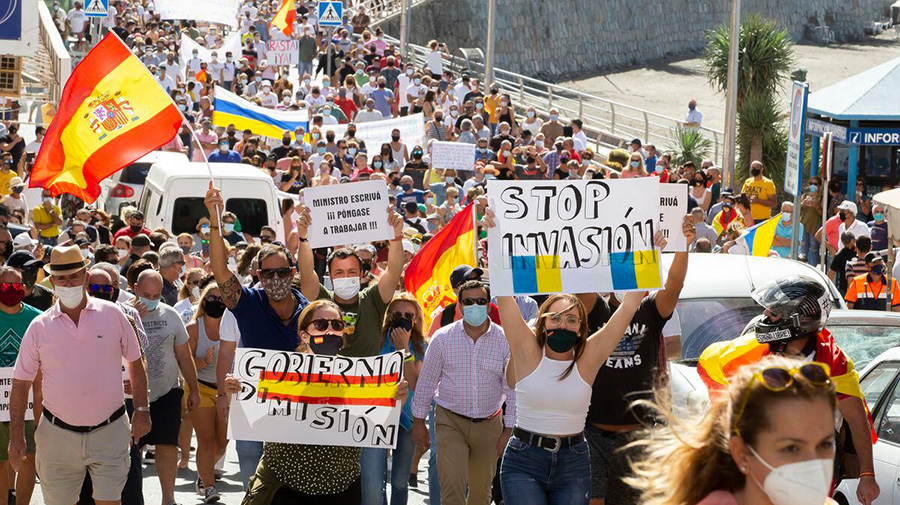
column 173, row 69
column 848, row 210
column 164, row 80
column 694, row 117
column 369, row 113
column 75, row 21
column 228, row 71
column 581, row 140
column 215, row 66
column 403, row 82
column 315, row 99
column 412, row 91
column 35, row 146
column 193, row 65
column 266, row 98
column 462, row 89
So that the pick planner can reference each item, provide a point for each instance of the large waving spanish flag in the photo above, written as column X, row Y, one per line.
column 111, row 113
column 285, row 17
column 722, row 359
column 428, row 273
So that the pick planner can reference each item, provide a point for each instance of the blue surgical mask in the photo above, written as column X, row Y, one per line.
column 320, row 150
column 879, row 216
column 554, row 117
column 813, row 188
column 635, row 164
column 229, row 227
column 377, row 164
column 151, row 304
column 352, row 151
column 475, row 315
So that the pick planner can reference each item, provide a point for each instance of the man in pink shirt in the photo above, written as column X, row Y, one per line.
column 77, row 346
column 207, row 138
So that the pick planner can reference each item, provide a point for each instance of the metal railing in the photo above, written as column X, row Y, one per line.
column 60, row 61
column 609, row 123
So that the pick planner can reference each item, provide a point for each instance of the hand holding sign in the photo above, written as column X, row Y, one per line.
column 687, row 226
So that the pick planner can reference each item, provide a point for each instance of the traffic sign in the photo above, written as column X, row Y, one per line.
column 97, row 9
column 796, row 127
column 331, row 13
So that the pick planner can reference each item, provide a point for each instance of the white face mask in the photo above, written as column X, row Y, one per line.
column 195, row 292
column 802, row 483
column 122, row 253
column 69, row 297
column 346, row 288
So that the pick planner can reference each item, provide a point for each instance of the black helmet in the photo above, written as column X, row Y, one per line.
column 801, row 303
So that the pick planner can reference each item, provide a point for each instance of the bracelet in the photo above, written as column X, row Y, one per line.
column 142, row 409
column 221, row 394
column 409, row 359
column 397, row 239
column 866, row 474
column 302, row 239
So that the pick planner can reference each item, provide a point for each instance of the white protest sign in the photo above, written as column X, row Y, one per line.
column 283, row 52
column 672, row 209
column 6, row 378
column 223, row 12
column 297, row 398
column 578, row 236
column 455, row 155
column 188, row 46
column 348, row 213
column 375, row 133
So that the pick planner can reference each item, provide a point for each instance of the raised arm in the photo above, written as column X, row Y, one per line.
column 522, row 344
column 668, row 297
column 389, row 281
column 228, row 283
column 309, row 279
column 602, row 343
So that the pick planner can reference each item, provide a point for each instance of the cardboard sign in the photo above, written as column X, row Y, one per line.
column 579, row 236
column 283, row 52
column 348, row 213
column 6, row 378
column 455, row 155
column 672, row 209
column 297, row 398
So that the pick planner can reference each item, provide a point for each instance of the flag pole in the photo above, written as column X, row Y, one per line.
column 205, row 160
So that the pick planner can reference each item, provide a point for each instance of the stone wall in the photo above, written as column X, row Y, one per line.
column 551, row 39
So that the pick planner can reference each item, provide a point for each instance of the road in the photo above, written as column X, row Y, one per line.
column 230, row 486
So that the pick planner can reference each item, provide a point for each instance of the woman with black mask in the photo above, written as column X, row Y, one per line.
column 208, row 326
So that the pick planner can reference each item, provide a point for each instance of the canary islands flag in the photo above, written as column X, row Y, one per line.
column 428, row 273
column 285, row 17
column 759, row 238
column 232, row 109
column 112, row 112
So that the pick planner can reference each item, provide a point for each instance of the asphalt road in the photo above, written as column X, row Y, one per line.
column 230, row 486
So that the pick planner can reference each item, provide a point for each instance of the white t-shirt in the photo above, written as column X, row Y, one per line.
column 15, row 203
column 267, row 99
column 460, row 91
column 228, row 72
column 365, row 116
column 193, row 66
column 167, row 82
column 76, row 20
column 228, row 328
column 172, row 69
column 434, row 63
column 413, row 89
column 857, row 228
column 403, row 82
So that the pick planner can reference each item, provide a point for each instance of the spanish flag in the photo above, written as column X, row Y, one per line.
column 722, row 359
column 428, row 273
column 340, row 389
column 285, row 17
column 111, row 113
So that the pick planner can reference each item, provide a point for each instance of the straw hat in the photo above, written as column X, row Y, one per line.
column 66, row 260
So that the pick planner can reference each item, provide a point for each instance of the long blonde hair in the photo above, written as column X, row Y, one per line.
column 687, row 459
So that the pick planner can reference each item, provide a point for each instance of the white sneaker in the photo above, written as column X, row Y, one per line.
column 211, row 495
column 198, row 486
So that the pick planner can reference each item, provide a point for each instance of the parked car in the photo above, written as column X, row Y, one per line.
column 880, row 382
column 862, row 334
column 173, row 196
column 125, row 186
column 715, row 303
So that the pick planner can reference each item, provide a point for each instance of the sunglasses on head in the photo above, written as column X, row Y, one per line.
column 100, row 288
column 270, row 273
column 778, row 379
column 474, row 301
column 322, row 324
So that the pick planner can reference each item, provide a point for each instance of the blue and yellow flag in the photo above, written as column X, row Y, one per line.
column 759, row 238
column 232, row 109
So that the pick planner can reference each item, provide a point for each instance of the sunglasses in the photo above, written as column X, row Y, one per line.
column 266, row 239
column 402, row 315
column 213, row 299
column 322, row 324
column 12, row 286
column 270, row 273
column 474, row 301
column 778, row 379
column 100, row 288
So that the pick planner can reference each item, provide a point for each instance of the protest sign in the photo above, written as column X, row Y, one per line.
column 6, row 378
column 375, row 133
column 348, row 213
column 579, row 236
column 455, row 155
column 188, row 46
column 672, row 209
column 297, row 398
column 283, row 52
column 223, row 12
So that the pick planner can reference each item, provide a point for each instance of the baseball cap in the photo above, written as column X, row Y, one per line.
column 409, row 247
column 23, row 259
column 464, row 273
column 22, row 240
column 848, row 206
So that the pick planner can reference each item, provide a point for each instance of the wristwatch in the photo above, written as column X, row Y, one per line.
column 142, row 409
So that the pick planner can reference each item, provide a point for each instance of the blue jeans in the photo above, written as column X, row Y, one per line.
column 530, row 475
column 810, row 248
column 249, row 453
column 434, row 485
column 374, row 471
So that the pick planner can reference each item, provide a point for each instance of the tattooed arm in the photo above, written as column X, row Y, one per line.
column 229, row 285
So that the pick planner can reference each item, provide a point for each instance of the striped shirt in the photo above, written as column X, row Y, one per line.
column 468, row 375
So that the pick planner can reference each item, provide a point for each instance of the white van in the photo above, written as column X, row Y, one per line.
column 173, row 196
column 125, row 186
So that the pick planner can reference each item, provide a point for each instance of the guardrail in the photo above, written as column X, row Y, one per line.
column 60, row 61
column 611, row 124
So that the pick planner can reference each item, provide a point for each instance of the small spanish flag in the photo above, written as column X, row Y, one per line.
column 428, row 273
column 284, row 19
column 202, row 76
column 111, row 113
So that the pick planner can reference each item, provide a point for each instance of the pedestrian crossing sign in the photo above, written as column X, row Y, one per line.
column 97, row 9
column 330, row 13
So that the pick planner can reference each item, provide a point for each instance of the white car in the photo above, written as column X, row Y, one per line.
column 125, row 186
column 879, row 382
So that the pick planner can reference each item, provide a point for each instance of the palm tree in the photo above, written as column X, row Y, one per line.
column 765, row 57
column 688, row 144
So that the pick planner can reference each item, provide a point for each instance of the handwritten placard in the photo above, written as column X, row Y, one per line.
column 455, row 155
column 672, row 209
column 283, row 52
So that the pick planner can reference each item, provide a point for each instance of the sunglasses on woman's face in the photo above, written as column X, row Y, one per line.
column 402, row 315
column 322, row 324
column 213, row 298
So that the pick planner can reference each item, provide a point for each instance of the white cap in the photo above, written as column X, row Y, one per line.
column 408, row 247
column 849, row 206
column 22, row 241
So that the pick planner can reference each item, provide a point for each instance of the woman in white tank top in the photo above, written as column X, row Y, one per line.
column 553, row 367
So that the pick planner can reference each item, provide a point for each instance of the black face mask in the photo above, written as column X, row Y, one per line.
column 329, row 138
column 285, row 142
column 351, row 133
column 395, row 138
column 326, row 345
column 105, row 296
column 878, row 270
column 755, row 172
column 214, row 309
column 136, row 228
column 402, row 323
column 561, row 339
column 417, row 155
